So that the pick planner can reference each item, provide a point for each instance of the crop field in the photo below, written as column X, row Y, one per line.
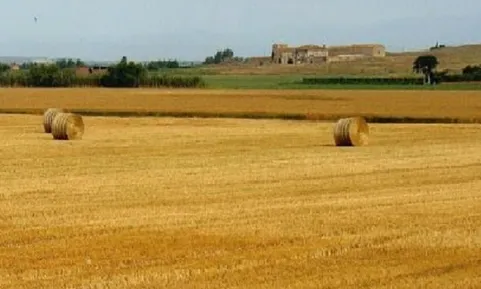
column 376, row 105
column 239, row 203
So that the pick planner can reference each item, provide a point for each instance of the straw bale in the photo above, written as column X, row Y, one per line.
column 68, row 126
column 353, row 131
column 48, row 117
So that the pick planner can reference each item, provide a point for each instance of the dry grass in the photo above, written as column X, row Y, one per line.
column 313, row 104
column 196, row 203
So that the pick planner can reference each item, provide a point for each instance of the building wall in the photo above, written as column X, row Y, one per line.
column 366, row 50
column 283, row 54
column 85, row 71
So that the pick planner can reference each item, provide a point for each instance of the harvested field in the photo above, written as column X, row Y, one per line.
column 226, row 203
column 376, row 106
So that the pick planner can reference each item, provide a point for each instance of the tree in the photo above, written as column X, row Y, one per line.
column 161, row 64
column 209, row 60
column 425, row 64
column 220, row 56
column 79, row 63
column 69, row 63
column 124, row 74
column 49, row 75
column 4, row 67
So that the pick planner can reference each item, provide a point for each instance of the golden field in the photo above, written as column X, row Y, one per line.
column 230, row 203
column 321, row 104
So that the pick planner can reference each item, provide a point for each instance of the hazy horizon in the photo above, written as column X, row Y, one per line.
column 189, row 30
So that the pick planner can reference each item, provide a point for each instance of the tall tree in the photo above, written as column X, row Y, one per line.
column 124, row 74
column 425, row 64
column 220, row 56
column 4, row 67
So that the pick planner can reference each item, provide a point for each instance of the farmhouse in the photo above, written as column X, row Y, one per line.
column 14, row 66
column 373, row 50
column 284, row 54
column 93, row 69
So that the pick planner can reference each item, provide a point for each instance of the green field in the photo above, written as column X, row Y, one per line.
column 293, row 81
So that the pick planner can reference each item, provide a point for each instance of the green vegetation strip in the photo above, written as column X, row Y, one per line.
column 296, row 82
column 251, row 115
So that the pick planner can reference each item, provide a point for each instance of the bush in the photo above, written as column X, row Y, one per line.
column 124, row 74
column 472, row 70
column 460, row 78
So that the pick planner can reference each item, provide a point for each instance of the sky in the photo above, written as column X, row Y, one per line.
column 193, row 29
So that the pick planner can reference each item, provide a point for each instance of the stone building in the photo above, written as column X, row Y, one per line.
column 283, row 54
column 370, row 50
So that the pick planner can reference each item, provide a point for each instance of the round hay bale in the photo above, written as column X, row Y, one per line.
column 68, row 126
column 48, row 117
column 352, row 131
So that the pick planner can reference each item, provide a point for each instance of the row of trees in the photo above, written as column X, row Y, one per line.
column 226, row 55
column 123, row 74
column 62, row 63
column 162, row 64
column 76, row 63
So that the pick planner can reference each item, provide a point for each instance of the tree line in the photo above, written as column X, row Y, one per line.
column 226, row 55
column 76, row 63
column 123, row 74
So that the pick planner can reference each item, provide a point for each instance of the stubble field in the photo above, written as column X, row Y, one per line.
column 379, row 105
column 231, row 203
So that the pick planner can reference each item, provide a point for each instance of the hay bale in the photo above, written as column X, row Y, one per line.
column 352, row 131
column 48, row 117
column 68, row 126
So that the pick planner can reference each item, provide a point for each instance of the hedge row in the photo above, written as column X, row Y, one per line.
column 365, row 80
column 391, row 81
column 172, row 81
column 460, row 77
column 24, row 79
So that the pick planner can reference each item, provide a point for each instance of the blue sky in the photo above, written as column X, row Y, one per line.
column 193, row 29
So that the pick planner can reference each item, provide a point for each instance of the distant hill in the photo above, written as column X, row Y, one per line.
column 399, row 63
